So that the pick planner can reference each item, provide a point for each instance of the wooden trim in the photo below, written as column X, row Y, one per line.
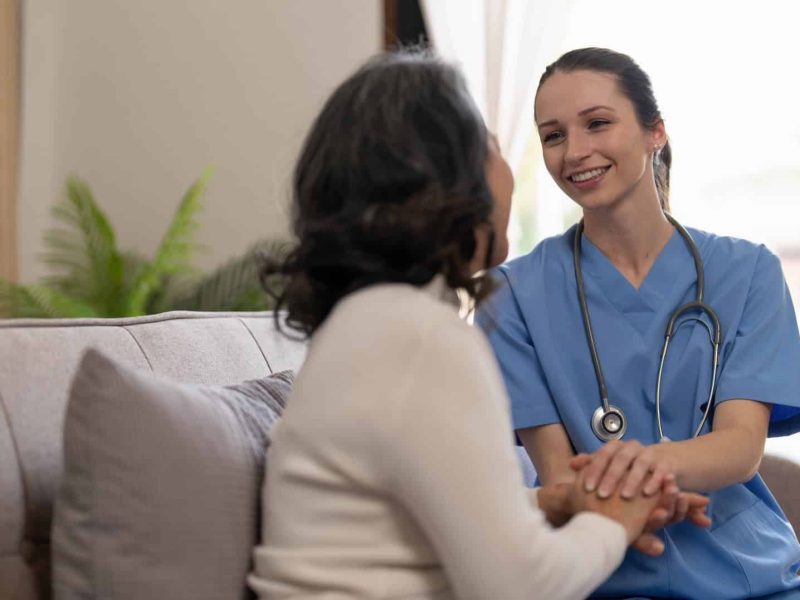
column 389, row 24
column 9, row 134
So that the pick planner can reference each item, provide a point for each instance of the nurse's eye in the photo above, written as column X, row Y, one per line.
column 552, row 137
column 598, row 123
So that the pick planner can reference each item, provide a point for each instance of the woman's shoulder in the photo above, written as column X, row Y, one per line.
column 395, row 316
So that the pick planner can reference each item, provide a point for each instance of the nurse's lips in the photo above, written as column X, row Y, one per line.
column 589, row 178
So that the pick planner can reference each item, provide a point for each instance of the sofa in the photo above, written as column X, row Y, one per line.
column 38, row 359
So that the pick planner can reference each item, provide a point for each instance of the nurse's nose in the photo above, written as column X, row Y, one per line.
column 578, row 148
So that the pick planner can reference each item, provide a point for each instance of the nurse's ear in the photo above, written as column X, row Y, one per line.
column 657, row 135
column 661, row 160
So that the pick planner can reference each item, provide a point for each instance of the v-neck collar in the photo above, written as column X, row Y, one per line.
column 665, row 272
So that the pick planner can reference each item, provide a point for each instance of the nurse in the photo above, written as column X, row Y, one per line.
column 562, row 348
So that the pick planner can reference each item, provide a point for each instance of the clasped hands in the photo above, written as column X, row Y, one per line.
column 631, row 483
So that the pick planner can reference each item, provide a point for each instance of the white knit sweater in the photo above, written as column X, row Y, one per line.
column 392, row 472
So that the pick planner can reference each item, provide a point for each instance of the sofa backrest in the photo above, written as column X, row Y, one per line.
column 37, row 361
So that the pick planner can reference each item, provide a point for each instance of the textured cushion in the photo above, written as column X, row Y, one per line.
column 160, row 491
column 782, row 476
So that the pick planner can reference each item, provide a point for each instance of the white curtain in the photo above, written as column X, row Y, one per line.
column 502, row 46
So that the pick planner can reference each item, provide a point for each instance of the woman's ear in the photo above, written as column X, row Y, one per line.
column 482, row 259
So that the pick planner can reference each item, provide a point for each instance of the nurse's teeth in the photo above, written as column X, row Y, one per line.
column 587, row 175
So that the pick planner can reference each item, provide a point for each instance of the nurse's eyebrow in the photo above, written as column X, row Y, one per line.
column 582, row 113
column 591, row 109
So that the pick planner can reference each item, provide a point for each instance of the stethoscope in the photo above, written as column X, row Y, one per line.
column 608, row 421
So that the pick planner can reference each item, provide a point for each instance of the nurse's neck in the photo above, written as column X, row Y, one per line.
column 631, row 237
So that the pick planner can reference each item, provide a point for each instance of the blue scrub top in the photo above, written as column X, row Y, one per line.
column 535, row 326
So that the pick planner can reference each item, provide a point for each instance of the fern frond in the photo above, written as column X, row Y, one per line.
column 176, row 286
column 235, row 285
column 40, row 301
column 133, row 263
column 83, row 253
column 175, row 252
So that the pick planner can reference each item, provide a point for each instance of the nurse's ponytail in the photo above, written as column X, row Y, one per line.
column 635, row 84
column 662, row 162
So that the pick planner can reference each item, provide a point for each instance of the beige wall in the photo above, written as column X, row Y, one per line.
column 138, row 97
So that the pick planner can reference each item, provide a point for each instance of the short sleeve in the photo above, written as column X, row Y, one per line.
column 763, row 363
column 502, row 322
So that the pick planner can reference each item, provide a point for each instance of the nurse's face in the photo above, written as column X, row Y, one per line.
column 592, row 143
column 501, row 184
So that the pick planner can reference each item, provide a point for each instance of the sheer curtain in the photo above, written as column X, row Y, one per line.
column 502, row 46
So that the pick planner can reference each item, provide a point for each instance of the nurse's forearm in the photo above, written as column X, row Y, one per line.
column 713, row 461
column 729, row 454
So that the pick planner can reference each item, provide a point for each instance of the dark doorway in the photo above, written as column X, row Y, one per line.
column 403, row 24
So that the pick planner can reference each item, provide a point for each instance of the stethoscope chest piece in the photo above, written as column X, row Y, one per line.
column 609, row 424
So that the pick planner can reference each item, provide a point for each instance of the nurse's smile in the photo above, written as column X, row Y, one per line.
column 588, row 179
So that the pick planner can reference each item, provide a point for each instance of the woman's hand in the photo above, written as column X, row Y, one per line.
column 674, row 506
column 633, row 514
column 554, row 501
column 630, row 465
column 562, row 500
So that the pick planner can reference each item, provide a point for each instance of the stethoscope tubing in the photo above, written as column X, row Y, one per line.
column 715, row 337
column 587, row 322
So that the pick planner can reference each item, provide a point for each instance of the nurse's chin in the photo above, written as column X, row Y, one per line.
column 595, row 202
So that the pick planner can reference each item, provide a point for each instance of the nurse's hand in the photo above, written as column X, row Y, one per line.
column 678, row 506
column 674, row 507
column 626, row 464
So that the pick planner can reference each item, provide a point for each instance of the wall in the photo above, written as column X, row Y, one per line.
column 138, row 97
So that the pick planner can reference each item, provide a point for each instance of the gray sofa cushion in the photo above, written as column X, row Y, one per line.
column 782, row 476
column 160, row 491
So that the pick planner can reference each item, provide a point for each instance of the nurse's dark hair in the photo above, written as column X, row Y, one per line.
column 389, row 186
column 635, row 84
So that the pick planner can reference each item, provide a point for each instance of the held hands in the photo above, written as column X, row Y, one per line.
column 633, row 514
column 628, row 470
column 630, row 464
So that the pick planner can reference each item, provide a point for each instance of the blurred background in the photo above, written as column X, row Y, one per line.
column 137, row 99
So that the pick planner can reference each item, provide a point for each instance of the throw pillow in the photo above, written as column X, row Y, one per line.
column 160, row 495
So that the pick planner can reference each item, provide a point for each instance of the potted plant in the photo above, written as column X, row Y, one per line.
column 91, row 277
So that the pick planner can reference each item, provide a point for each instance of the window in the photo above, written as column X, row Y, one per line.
column 730, row 109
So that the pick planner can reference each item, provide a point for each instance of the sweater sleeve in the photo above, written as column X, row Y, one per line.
column 453, row 467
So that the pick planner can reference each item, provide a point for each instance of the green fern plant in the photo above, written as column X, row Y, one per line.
column 92, row 277
column 234, row 286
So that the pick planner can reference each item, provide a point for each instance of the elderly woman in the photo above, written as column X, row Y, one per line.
column 392, row 473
